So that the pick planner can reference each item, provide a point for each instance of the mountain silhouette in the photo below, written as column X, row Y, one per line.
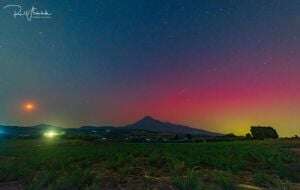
column 26, row 130
column 150, row 124
column 147, row 123
column 46, row 127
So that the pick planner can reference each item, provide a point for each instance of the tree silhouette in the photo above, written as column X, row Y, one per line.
column 260, row 132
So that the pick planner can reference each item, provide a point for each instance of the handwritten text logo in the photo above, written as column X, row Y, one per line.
column 29, row 14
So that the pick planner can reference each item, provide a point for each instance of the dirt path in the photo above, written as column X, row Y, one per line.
column 248, row 187
column 296, row 151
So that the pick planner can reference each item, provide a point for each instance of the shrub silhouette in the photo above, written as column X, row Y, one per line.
column 248, row 136
column 259, row 132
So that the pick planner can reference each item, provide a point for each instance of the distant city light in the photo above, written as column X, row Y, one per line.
column 51, row 134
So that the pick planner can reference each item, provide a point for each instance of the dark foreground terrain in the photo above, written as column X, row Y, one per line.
column 75, row 164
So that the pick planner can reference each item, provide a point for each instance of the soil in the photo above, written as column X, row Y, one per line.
column 11, row 186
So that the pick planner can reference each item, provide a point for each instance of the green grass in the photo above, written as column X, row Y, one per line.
column 271, row 182
column 75, row 164
column 189, row 182
column 225, row 181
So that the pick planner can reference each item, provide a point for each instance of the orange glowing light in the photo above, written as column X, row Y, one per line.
column 29, row 107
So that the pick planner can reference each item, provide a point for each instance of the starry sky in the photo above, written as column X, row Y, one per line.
column 217, row 65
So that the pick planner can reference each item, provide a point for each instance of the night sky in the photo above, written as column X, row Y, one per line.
column 216, row 65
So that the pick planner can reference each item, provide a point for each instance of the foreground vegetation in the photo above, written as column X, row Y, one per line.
column 77, row 164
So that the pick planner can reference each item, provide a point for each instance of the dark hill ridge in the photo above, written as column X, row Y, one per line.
column 147, row 124
column 153, row 125
column 26, row 130
column 150, row 124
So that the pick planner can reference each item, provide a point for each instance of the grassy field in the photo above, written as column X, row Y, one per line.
column 75, row 164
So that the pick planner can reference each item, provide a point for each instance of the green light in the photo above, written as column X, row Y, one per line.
column 50, row 134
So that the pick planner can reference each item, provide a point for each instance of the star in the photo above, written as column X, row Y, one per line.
column 266, row 63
